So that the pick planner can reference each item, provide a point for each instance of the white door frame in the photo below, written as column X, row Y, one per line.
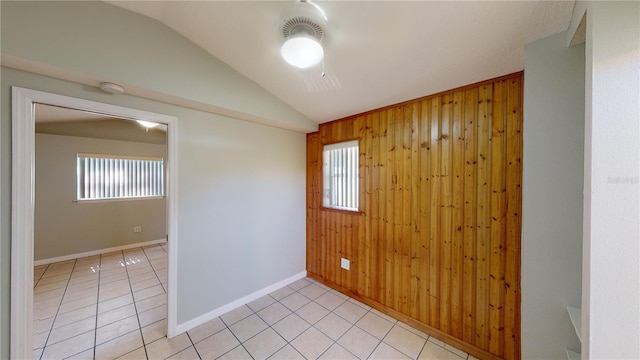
column 23, row 200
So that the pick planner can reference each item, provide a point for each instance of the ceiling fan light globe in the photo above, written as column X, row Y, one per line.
column 147, row 124
column 302, row 52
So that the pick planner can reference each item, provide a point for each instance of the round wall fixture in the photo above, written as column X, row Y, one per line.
column 111, row 88
column 302, row 29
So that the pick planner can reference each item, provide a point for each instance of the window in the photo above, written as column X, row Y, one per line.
column 340, row 167
column 119, row 177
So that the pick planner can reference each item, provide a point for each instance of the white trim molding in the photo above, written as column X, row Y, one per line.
column 98, row 252
column 22, row 215
column 22, row 205
column 186, row 326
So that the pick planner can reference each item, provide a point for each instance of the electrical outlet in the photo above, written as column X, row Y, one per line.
column 137, row 229
column 344, row 263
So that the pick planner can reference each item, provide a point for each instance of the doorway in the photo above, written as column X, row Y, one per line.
column 23, row 195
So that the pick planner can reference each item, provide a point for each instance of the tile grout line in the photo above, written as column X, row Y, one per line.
column 44, row 347
column 135, row 307
column 236, row 337
column 95, row 333
column 154, row 270
column 192, row 344
column 41, row 275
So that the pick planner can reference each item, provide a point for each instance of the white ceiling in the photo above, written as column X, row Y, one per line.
column 376, row 53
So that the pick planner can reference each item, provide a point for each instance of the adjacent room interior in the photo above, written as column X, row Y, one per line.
column 445, row 180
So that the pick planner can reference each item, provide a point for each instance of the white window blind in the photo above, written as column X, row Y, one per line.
column 340, row 178
column 119, row 177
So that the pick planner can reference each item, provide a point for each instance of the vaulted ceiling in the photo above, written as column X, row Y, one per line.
column 377, row 53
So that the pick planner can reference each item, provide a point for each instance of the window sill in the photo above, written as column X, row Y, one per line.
column 91, row 201
column 342, row 211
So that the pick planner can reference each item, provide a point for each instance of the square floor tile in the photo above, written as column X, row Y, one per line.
column 117, row 314
column 42, row 325
column 117, row 329
column 163, row 347
column 261, row 303
column 46, row 308
column 186, row 354
column 54, row 278
column 282, row 293
column 155, row 331
column 151, row 303
column 312, row 312
column 312, row 343
column 205, row 330
column 362, row 305
column 153, row 315
column 329, row 300
column 136, row 354
column 71, row 305
column 299, row 284
column 337, row 352
column 333, row 326
column 274, row 313
column 350, row 312
column 216, row 345
column 106, row 295
column 405, row 341
column 69, row 347
column 119, row 346
column 294, row 301
column 264, row 344
column 237, row 353
column 433, row 351
column 374, row 325
column 312, row 291
column 145, row 284
column 291, row 327
column 287, row 353
column 248, row 327
column 115, row 303
column 236, row 315
column 39, row 340
column 75, row 315
column 456, row 351
column 68, row 331
column 384, row 352
column 143, row 277
column 413, row 330
column 359, row 342
column 148, row 292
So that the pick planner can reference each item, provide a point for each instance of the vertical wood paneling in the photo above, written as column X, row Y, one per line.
column 424, row 218
column 514, row 220
column 470, row 214
column 435, row 123
column 457, row 179
column 414, row 305
column 437, row 237
column 498, row 207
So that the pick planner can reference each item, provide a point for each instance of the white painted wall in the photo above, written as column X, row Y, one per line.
column 241, row 185
column 241, row 199
column 611, row 266
column 552, row 195
column 66, row 227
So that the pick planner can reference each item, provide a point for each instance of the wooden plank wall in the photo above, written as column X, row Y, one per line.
column 437, row 239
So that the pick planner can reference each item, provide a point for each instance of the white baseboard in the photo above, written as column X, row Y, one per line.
column 97, row 252
column 186, row 326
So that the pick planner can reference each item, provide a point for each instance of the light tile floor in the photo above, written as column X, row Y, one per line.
column 114, row 306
